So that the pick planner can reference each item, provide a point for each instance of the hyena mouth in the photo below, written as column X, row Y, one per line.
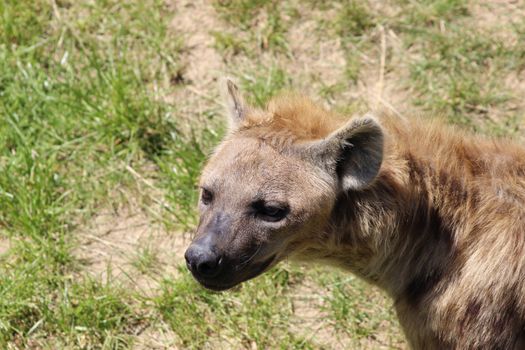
column 262, row 266
column 254, row 271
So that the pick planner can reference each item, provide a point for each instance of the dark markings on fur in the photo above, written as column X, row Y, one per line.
column 343, row 212
column 421, row 285
column 474, row 199
column 473, row 308
column 425, row 222
column 505, row 317
column 414, row 170
column 471, row 314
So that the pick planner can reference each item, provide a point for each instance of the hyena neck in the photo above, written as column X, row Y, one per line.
column 399, row 233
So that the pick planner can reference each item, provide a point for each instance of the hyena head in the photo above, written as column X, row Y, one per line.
column 270, row 186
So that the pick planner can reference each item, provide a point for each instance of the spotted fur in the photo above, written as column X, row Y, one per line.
column 440, row 226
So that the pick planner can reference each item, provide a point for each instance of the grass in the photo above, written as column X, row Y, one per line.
column 259, row 88
column 256, row 314
column 77, row 109
column 98, row 110
column 352, row 306
column 261, row 23
column 146, row 260
column 422, row 14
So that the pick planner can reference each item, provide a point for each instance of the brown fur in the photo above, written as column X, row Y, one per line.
column 441, row 227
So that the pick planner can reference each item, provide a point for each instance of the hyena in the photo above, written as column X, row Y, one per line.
column 432, row 215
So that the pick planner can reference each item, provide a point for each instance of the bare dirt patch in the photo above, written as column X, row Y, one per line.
column 158, row 337
column 314, row 61
column 382, row 82
column 196, row 19
column 5, row 245
column 202, row 63
column 312, row 321
column 318, row 61
column 498, row 16
column 501, row 19
column 129, row 246
column 309, row 320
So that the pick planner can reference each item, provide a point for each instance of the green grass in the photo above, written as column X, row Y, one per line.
column 261, row 87
column 430, row 12
column 352, row 305
column 76, row 110
column 179, row 167
column 262, row 24
column 90, row 90
column 228, row 44
column 146, row 260
column 451, row 73
column 455, row 65
column 353, row 23
column 459, row 72
column 258, row 313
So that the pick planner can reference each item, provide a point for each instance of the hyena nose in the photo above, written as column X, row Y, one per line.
column 203, row 262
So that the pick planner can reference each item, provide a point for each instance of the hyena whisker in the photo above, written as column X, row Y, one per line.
column 245, row 262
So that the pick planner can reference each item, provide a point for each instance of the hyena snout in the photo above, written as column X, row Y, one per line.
column 203, row 261
column 218, row 263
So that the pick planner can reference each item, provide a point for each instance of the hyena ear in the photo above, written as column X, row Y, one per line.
column 353, row 153
column 237, row 109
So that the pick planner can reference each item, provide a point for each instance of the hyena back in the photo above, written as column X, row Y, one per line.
column 433, row 216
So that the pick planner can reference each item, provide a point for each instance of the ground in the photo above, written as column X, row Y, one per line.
column 109, row 109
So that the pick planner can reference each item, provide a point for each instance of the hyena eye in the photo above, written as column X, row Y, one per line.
column 270, row 212
column 206, row 196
